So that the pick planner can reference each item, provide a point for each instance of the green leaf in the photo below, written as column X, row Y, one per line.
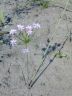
column 61, row 55
column 44, row 4
column 1, row 17
column 25, row 38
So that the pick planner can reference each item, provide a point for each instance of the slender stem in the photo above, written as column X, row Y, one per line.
column 28, row 90
column 70, row 36
column 22, row 72
column 42, row 63
column 23, row 75
column 62, row 14
column 33, row 81
column 27, row 66
column 37, row 70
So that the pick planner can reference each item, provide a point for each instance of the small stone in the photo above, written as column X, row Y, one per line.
column 48, row 40
column 0, row 60
column 53, row 48
column 0, row 84
column 2, row 56
column 57, row 44
column 51, row 60
column 43, row 49
column 9, row 55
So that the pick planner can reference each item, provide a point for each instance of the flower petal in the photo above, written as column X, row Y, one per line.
column 13, row 42
column 36, row 25
column 29, row 32
column 13, row 31
column 20, row 27
column 29, row 27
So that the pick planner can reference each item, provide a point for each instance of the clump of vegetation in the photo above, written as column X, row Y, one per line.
column 61, row 54
column 25, row 38
column 2, row 18
column 44, row 4
column 41, row 3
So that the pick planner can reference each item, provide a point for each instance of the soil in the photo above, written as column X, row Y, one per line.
column 56, row 25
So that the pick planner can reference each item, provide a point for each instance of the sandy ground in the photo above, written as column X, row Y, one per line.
column 56, row 80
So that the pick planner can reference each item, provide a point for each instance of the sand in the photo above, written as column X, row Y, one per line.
column 56, row 24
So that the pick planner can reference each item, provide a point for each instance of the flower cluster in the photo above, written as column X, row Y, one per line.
column 24, row 33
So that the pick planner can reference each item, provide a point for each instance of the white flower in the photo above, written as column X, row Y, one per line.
column 28, row 28
column 20, row 27
column 36, row 25
column 13, row 31
column 25, row 50
column 29, row 32
column 13, row 42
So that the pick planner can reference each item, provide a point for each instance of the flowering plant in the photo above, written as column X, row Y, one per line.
column 23, row 33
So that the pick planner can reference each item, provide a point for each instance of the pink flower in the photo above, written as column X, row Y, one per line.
column 36, row 25
column 13, row 31
column 25, row 50
column 20, row 27
column 13, row 42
